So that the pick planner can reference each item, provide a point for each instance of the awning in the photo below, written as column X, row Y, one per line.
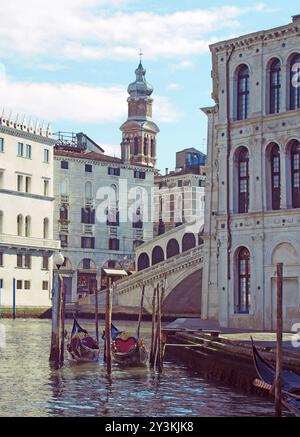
column 115, row 272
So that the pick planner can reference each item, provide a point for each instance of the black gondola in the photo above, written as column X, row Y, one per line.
column 82, row 347
column 290, row 382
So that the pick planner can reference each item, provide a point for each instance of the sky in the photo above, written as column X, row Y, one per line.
column 69, row 62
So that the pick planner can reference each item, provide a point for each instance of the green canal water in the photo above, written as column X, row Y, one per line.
column 28, row 386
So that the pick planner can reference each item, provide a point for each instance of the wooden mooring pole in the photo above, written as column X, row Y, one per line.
column 141, row 313
column 96, row 314
column 108, row 310
column 151, row 358
column 54, row 351
column 62, row 320
column 278, row 387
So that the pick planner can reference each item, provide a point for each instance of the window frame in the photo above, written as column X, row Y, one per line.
column 243, row 92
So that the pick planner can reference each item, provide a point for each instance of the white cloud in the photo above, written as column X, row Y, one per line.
column 91, row 29
column 183, row 65
column 173, row 86
column 76, row 102
column 111, row 149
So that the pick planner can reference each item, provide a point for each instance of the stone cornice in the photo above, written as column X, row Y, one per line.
column 26, row 135
column 255, row 38
column 29, row 195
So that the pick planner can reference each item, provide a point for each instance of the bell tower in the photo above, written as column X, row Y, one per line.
column 139, row 132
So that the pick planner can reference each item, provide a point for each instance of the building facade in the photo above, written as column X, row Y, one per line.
column 103, row 203
column 26, row 214
column 252, row 217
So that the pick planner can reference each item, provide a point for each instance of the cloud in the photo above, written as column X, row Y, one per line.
column 173, row 86
column 111, row 149
column 51, row 67
column 80, row 103
column 183, row 65
column 98, row 29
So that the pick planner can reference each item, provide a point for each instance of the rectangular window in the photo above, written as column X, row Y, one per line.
column 86, row 264
column 113, row 171
column 20, row 149
column 139, row 174
column 46, row 188
column 1, row 259
column 20, row 261
column 28, row 151
column 20, row 182
column 1, row 145
column 88, row 168
column 28, row 184
column 26, row 285
column 179, row 183
column 27, row 262
column 88, row 216
column 87, row 242
column 19, row 284
column 1, row 178
column 45, row 263
column 63, row 240
column 64, row 165
column 46, row 155
column 113, row 244
column 45, row 285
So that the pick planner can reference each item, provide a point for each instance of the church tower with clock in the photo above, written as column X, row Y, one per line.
column 139, row 132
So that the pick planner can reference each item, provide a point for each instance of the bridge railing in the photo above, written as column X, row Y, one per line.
column 152, row 273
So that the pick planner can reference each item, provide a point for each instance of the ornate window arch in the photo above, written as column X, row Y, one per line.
column 274, row 85
column 20, row 225
column 294, row 70
column 295, row 173
column 243, row 277
column 275, row 176
column 243, row 92
column 242, row 164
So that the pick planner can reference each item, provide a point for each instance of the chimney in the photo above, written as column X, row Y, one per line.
column 167, row 171
column 296, row 18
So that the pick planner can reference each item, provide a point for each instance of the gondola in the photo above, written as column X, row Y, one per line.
column 82, row 348
column 290, row 382
column 127, row 350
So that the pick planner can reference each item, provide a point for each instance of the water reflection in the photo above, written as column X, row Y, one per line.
column 29, row 387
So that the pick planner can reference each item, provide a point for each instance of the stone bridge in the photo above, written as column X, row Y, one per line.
column 174, row 260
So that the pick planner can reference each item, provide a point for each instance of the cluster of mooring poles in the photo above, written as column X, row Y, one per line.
column 158, row 339
column 279, row 329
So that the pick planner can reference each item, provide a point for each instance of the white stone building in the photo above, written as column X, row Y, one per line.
column 26, row 214
column 252, row 218
column 82, row 169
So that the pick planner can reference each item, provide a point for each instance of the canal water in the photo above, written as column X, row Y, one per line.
column 28, row 386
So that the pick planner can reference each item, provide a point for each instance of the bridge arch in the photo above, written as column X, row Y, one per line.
column 188, row 241
column 172, row 248
column 143, row 261
column 157, row 255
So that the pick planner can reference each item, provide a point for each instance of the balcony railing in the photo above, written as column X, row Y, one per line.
column 64, row 198
column 64, row 227
column 113, row 231
column 87, row 228
column 28, row 242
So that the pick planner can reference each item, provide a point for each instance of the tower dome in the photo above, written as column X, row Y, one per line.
column 140, row 87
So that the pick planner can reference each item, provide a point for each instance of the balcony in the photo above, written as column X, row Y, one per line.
column 15, row 241
column 64, row 228
column 87, row 228
column 89, row 203
column 113, row 231
column 139, row 233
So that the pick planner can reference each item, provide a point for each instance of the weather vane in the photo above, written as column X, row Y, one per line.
column 140, row 55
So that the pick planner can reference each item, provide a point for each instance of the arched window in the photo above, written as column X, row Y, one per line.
column 157, row 255
column 152, row 148
column 188, row 241
column 295, row 174
column 46, row 228
column 275, row 85
column 143, row 262
column 242, row 92
column 20, row 225
column 27, row 226
column 243, row 180
column 295, row 82
column 243, row 281
column 63, row 212
column 88, row 190
column 275, row 176
column 172, row 248
column 145, row 146
column 136, row 146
